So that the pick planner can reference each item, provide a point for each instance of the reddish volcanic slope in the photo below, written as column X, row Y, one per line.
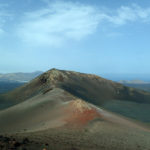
column 80, row 113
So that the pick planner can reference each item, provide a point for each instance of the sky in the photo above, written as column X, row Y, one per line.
column 92, row 36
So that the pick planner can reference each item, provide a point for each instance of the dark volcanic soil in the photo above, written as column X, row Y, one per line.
column 97, row 136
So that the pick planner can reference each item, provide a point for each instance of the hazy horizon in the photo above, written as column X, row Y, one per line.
column 110, row 76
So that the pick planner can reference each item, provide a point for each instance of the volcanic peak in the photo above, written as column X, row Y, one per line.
column 56, row 75
column 53, row 75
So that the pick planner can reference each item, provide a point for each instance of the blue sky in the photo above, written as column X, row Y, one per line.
column 93, row 36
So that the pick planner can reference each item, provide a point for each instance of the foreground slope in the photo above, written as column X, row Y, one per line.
column 58, row 120
column 91, row 88
column 54, row 109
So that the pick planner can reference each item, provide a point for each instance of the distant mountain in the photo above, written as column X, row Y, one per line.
column 133, row 82
column 19, row 77
column 126, row 76
column 138, row 84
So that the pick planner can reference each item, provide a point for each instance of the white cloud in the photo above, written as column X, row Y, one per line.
column 126, row 14
column 61, row 21
column 4, row 16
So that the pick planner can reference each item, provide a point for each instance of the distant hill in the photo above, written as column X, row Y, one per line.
column 11, row 81
column 133, row 82
column 145, row 87
column 19, row 77
column 139, row 84
column 126, row 76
